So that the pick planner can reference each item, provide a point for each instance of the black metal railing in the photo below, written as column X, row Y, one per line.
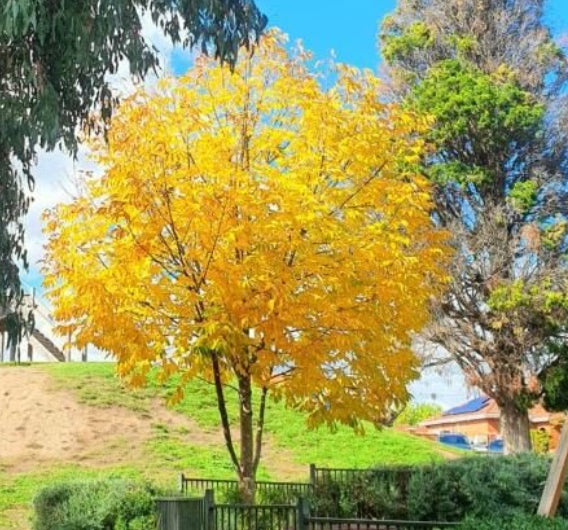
column 329, row 523
column 287, row 489
column 254, row 517
column 387, row 474
column 204, row 514
column 183, row 514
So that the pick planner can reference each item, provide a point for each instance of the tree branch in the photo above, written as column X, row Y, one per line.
column 222, row 405
column 365, row 183
column 260, row 429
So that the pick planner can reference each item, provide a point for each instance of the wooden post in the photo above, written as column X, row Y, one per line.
column 30, row 352
column 84, row 354
column 69, row 352
column 556, row 477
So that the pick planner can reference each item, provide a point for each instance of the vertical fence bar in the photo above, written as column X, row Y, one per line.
column 208, row 504
column 302, row 513
column 313, row 475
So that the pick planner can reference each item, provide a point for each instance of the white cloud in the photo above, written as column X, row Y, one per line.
column 54, row 184
column 56, row 172
column 447, row 388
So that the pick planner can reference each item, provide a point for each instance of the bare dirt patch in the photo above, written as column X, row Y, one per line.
column 41, row 425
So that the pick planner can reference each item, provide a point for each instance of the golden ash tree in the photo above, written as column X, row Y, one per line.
column 256, row 230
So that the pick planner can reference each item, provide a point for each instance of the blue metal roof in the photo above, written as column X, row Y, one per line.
column 471, row 406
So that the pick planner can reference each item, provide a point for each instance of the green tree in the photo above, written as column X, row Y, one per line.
column 415, row 413
column 492, row 78
column 54, row 58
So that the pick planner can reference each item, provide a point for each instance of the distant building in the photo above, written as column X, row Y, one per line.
column 40, row 346
column 479, row 418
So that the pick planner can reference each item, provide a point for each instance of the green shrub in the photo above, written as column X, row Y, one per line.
column 371, row 495
column 276, row 496
column 477, row 486
column 540, row 440
column 95, row 505
column 434, row 493
column 518, row 522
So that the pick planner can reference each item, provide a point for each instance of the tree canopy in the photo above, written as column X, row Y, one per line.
column 54, row 60
column 492, row 77
column 253, row 227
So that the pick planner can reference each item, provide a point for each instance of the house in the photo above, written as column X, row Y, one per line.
column 40, row 346
column 479, row 418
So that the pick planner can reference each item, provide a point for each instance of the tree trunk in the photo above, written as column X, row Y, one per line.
column 247, row 476
column 251, row 447
column 515, row 428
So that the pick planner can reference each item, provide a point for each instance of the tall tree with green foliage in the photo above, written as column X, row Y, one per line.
column 54, row 59
column 415, row 413
column 493, row 79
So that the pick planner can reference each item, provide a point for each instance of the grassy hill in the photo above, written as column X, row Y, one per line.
column 103, row 428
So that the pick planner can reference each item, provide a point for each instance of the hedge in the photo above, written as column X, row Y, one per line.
column 479, row 486
column 111, row 504
column 519, row 522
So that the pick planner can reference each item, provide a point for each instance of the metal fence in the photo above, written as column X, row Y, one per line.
column 183, row 514
column 398, row 475
column 328, row 523
column 203, row 514
column 328, row 483
column 288, row 490
column 254, row 517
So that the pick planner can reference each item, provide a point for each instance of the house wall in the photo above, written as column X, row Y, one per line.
column 487, row 429
column 482, row 429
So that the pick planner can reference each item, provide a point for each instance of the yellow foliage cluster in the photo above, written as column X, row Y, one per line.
column 259, row 216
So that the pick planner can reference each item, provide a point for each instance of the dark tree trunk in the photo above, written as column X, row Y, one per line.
column 247, row 482
column 515, row 428
column 251, row 445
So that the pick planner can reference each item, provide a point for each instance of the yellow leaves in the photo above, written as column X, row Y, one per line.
column 176, row 396
column 270, row 305
column 263, row 218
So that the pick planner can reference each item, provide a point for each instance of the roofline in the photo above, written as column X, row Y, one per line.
column 476, row 416
column 457, row 418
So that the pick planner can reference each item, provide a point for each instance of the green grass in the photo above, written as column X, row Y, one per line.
column 343, row 448
column 96, row 384
column 168, row 449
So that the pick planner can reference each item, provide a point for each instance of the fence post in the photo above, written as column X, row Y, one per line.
column 303, row 513
column 313, row 475
column 208, row 503
column 181, row 482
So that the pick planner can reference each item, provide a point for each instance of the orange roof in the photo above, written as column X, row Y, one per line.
column 489, row 410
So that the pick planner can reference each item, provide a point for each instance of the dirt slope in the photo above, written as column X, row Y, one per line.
column 41, row 425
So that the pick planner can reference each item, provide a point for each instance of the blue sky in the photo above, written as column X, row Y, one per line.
column 349, row 27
